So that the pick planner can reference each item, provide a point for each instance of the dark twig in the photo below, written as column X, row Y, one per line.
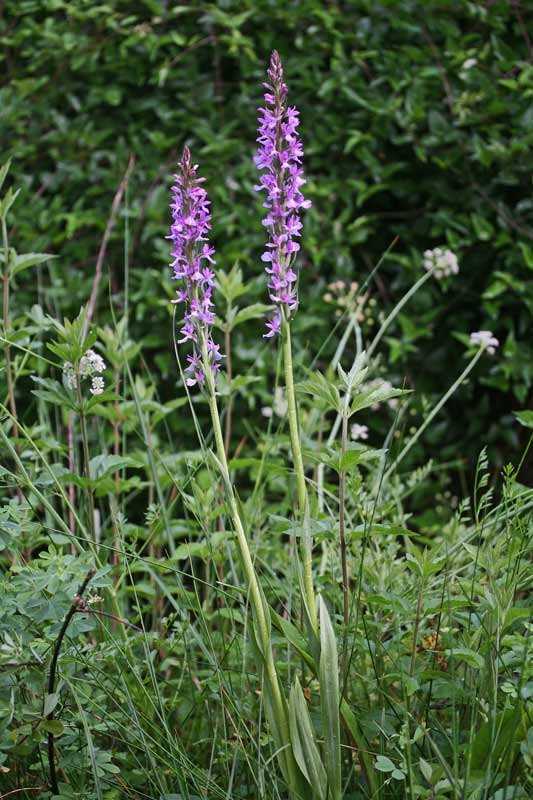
column 443, row 74
column 501, row 213
column 23, row 789
column 516, row 5
column 105, row 241
column 52, row 677
column 83, row 608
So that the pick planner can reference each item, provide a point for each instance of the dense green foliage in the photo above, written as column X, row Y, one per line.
column 402, row 140
column 151, row 683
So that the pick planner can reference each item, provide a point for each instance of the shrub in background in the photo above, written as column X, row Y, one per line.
column 419, row 131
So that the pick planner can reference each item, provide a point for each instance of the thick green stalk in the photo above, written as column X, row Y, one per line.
column 303, row 501
column 86, row 459
column 342, row 527
column 263, row 622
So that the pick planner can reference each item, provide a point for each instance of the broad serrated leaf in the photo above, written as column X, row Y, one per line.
column 19, row 263
column 7, row 201
column 52, row 392
column 319, row 386
column 370, row 397
column 356, row 375
column 472, row 658
column 99, row 466
column 254, row 311
column 4, row 169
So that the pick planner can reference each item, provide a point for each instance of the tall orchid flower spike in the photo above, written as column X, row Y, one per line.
column 192, row 258
column 280, row 154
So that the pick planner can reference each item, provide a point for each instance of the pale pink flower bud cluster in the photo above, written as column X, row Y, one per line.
column 442, row 263
column 359, row 431
column 486, row 340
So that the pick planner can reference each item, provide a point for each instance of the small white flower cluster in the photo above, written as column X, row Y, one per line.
column 69, row 376
column 486, row 340
column 359, row 432
column 442, row 263
column 91, row 365
column 97, row 385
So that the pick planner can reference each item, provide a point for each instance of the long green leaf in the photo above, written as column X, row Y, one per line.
column 304, row 746
column 329, row 700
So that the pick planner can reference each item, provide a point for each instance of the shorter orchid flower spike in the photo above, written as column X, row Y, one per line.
column 192, row 257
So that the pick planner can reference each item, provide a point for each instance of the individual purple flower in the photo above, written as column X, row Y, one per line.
column 191, row 255
column 280, row 153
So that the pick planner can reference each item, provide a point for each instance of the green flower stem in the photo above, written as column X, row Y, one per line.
column 6, row 317
column 342, row 526
column 396, row 310
column 7, row 350
column 263, row 622
column 303, row 501
column 429, row 419
column 86, row 459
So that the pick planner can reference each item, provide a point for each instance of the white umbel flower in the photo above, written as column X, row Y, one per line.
column 97, row 385
column 91, row 366
column 359, row 432
column 91, row 363
column 486, row 340
column 442, row 263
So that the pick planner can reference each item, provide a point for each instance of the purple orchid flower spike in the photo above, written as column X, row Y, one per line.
column 191, row 256
column 280, row 153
